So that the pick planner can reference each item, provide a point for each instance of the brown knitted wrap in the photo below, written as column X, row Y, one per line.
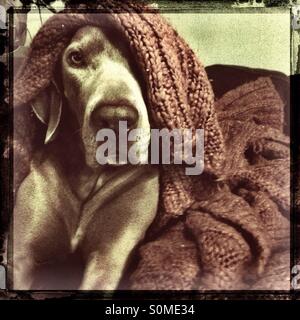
column 228, row 218
column 236, row 235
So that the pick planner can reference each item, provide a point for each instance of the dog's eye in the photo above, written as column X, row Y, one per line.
column 75, row 58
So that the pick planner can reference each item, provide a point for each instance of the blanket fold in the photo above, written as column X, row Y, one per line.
column 239, row 222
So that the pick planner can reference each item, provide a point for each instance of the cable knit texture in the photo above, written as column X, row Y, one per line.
column 219, row 230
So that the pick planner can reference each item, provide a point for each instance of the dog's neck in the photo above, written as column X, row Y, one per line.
column 83, row 180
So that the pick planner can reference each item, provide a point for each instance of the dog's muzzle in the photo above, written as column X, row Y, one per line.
column 109, row 114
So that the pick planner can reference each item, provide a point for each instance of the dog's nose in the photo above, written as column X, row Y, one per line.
column 108, row 116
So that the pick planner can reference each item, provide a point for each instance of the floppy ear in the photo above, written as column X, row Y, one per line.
column 47, row 107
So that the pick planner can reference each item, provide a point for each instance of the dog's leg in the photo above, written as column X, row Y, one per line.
column 115, row 231
column 102, row 273
column 40, row 231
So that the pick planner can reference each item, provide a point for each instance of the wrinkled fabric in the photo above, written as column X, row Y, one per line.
column 240, row 223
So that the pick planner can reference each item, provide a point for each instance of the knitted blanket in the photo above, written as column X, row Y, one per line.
column 225, row 229
column 236, row 234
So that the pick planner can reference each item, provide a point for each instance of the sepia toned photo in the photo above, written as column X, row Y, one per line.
column 147, row 148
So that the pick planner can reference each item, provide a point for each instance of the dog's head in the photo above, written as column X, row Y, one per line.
column 97, row 81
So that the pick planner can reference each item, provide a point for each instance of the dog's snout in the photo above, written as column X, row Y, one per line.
column 108, row 115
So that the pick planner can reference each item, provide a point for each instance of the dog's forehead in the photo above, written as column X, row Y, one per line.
column 90, row 37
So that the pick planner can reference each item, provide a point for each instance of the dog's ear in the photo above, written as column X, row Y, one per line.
column 47, row 106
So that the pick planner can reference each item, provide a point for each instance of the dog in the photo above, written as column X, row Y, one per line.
column 76, row 222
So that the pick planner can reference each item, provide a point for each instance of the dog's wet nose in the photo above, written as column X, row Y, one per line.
column 108, row 116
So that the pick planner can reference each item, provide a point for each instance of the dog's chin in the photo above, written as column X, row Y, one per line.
column 91, row 160
column 96, row 161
